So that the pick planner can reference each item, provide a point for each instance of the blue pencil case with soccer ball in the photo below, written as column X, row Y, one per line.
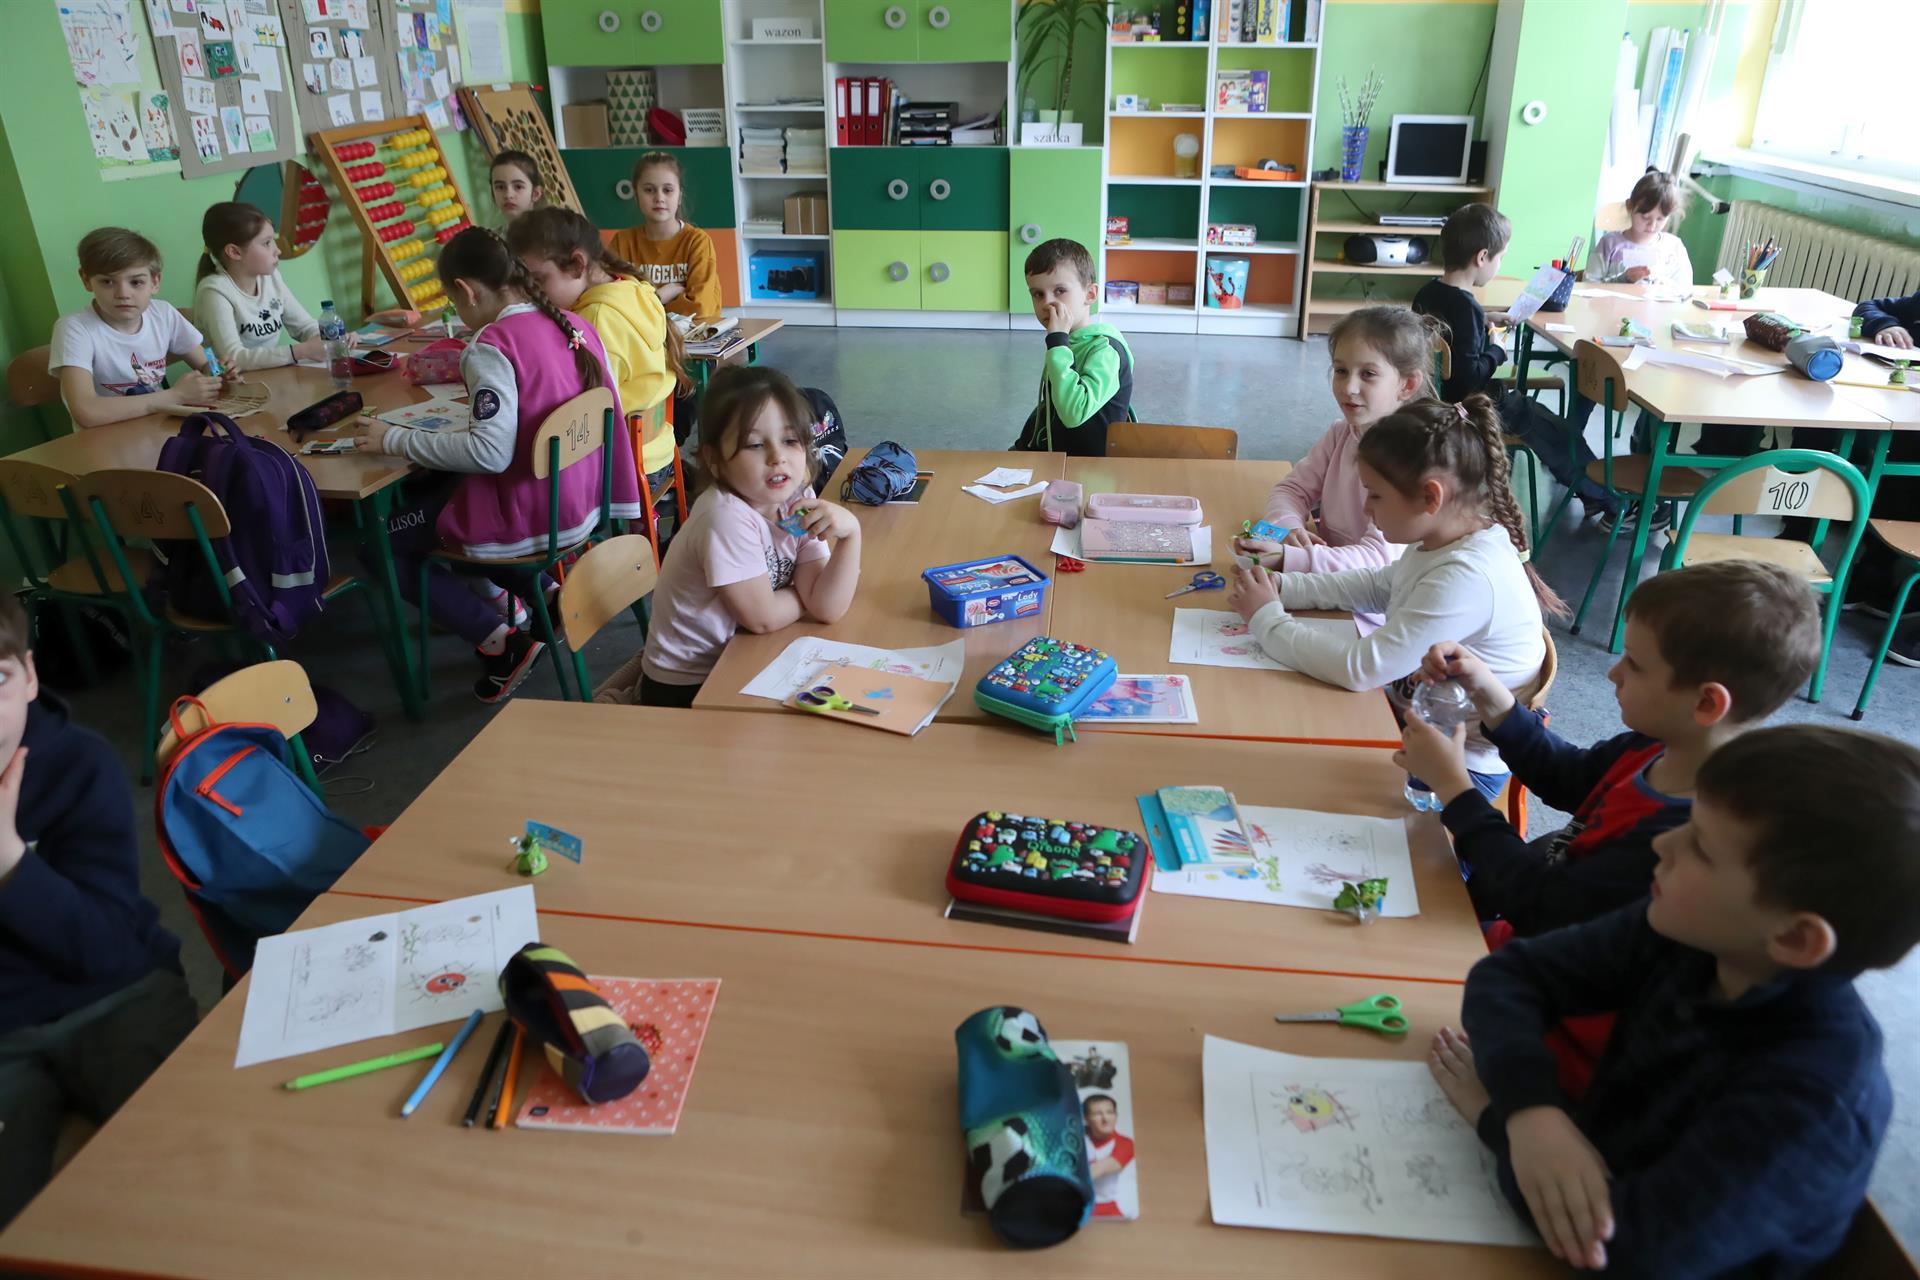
column 1046, row 684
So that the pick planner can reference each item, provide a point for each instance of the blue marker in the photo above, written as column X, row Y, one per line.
column 213, row 363
column 439, row 1067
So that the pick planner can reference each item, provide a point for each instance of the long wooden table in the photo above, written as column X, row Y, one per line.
column 820, row 1136
column 780, row 822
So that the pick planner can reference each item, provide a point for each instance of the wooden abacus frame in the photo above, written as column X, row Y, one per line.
column 378, row 251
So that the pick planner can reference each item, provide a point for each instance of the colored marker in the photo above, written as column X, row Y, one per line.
column 213, row 363
column 362, row 1068
column 503, row 1105
column 439, row 1067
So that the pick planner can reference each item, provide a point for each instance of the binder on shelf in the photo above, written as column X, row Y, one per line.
column 840, row 110
column 873, row 116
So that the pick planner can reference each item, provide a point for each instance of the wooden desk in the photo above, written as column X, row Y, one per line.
column 743, row 349
column 1124, row 610
column 819, row 1138
column 778, row 822
column 890, row 609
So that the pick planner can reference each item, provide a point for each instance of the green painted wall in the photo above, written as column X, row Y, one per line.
column 1703, row 232
column 1428, row 54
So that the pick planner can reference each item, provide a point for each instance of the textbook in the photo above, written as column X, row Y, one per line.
column 670, row 1017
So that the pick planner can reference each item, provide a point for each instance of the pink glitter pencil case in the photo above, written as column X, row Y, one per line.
column 1144, row 508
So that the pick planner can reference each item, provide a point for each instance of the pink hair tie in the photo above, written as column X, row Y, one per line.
column 576, row 339
column 1461, row 410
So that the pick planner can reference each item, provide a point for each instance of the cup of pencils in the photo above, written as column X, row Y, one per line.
column 1759, row 258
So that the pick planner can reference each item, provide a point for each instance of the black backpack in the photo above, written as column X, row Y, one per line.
column 829, row 436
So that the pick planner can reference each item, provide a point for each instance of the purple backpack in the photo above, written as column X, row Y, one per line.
column 275, row 558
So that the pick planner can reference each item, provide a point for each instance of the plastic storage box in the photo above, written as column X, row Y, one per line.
column 977, row 592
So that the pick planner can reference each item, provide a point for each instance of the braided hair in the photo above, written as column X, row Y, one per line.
column 557, row 233
column 480, row 255
column 1465, row 443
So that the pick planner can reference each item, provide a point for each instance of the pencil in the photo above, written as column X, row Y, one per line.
column 439, row 1068
column 503, row 1105
column 362, row 1068
column 487, row 1074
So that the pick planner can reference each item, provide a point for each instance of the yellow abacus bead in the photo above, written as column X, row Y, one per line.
column 427, row 177
column 421, row 268
column 406, row 249
column 416, row 159
column 439, row 195
column 420, row 292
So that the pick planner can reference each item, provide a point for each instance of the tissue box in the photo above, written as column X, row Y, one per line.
column 1179, row 295
column 806, row 214
column 585, row 124
column 783, row 275
column 1153, row 295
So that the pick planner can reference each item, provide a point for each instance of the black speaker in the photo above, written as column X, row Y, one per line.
column 1477, row 163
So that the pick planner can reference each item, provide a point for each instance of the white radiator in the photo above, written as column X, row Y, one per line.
column 1818, row 255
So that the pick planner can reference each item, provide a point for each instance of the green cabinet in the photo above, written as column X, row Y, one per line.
column 603, row 177
column 963, row 270
column 963, row 188
column 907, row 188
column 876, row 270
column 919, row 31
column 876, row 188
column 621, row 33
column 1051, row 192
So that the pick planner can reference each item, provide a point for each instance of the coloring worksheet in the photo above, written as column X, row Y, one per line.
column 317, row 988
column 1348, row 1147
column 1216, row 638
column 804, row 661
column 1146, row 700
column 1300, row 858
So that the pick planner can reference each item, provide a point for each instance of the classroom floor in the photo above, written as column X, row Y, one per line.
column 968, row 390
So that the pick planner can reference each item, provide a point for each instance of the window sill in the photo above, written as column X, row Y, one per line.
column 1766, row 167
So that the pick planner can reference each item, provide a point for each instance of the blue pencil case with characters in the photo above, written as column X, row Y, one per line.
column 1046, row 684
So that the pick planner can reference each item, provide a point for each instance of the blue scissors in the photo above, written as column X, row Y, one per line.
column 1202, row 581
column 1379, row 1013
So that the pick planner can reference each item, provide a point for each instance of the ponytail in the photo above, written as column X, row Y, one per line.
column 229, row 222
column 1466, row 443
column 480, row 254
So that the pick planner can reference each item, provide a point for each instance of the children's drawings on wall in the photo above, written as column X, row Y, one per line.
column 1347, row 1146
column 338, row 50
column 219, row 65
column 1301, row 858
column 120, row 87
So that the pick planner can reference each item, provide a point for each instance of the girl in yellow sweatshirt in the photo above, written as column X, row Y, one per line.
column 677, row 257
column 563, row 251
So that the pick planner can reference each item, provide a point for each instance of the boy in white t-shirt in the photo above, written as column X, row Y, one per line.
column 113, row 355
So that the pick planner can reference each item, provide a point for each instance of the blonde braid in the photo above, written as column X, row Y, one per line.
column 1478, row 413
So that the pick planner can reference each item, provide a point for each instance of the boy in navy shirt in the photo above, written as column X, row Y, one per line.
column 1732, row 1126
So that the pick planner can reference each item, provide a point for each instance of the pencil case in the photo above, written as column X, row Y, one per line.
column 1045, row 684
column 1060, row 504
column 584, row 1040
column 436, row 362
column 1050, row 867
column 1144, row 508
column 1772, row 330
column 322, row 414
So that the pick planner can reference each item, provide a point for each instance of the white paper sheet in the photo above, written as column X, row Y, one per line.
column 428, row 415
column 1537, row 290
column 1218, row 638
column 1345, row 1146
column 1006, row 476
column 998, row 496
column 1145, row 700
column 801, row 663
column 1066, row 542
column 319, row 988
column 1300, row 858
column 483, row 33
column 1718, row 366
column 1558, row 328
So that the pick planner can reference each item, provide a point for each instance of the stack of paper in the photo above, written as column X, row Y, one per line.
column 762, row 150
column 802, row 663
column 806, row 150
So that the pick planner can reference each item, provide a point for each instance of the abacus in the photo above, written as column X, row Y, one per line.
column 396, row 180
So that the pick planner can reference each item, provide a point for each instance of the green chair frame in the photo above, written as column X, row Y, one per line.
column 1792, row 462
column 32, row 499
column 1894, row 617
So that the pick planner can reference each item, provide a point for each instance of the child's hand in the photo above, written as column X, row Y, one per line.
column 1253, row 590
column 370, row 432
column 1634, row 275
column 314, row 348
column 668, row 292
column 1451, row 660
column 824, row 520
column 1893, row 336
column 1499, row 320
column 1564, row 1181
column 1055, row 321
column 1439, row 760
column 12, row 847
column 1268, row 553
column 1304, row 539
column 196, row 388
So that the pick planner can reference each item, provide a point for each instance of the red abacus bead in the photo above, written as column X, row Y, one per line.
column 447, row 234
column 374, row 191
column 356, row 151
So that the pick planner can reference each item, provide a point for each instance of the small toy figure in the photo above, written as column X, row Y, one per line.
column 1361, row 900
column 1898, row 378
column 529, row 859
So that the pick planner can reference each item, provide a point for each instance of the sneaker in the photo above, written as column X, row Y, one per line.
column 502, row 672
column 1905, row 649
column 1662, row 517
column 1871, row 610
column 512, row 610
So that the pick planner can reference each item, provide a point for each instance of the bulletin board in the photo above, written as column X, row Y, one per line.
column 219, row 62
column 125, row 105
column 426, row 62
column 342, row 62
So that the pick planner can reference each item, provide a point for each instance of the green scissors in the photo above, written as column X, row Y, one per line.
column 822, row 698
column 1379, row 1013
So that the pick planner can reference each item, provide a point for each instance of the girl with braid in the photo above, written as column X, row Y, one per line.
column 527, row 358
column 563, row 251
column 1435, row 476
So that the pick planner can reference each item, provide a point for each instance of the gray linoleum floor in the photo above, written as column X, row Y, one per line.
column 971, row 390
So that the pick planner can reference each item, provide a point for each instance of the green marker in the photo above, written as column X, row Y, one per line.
column 362, row 1068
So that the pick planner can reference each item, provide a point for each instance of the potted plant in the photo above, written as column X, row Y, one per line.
column 1048, row 29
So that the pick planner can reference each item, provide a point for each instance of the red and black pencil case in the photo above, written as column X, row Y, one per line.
column 1070, row 870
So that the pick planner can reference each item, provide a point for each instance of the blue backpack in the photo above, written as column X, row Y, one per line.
column 250, row 843
column 275, row 559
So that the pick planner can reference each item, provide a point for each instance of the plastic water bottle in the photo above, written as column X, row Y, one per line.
column 333, row 332
column 1445, row 705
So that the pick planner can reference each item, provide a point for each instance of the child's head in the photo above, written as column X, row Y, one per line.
column 659, row 188
column 1803, row 852
column 121, row 268
column 19, row 684
column 1060, row 274
column 1727, row 641
column 483, row 278
column 238, row 237
column 1656, row 203
column 1382, row 358
column 1430, row 466
column 1102, row 1115
column 755, row 440
column 1475, row 238
column 515, row 179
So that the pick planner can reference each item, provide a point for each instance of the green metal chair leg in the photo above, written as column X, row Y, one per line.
column 1829, row 624
column 544, row 630
column 580, row 675
column 1599, row 569
column 1886, row 640
column 82, row 647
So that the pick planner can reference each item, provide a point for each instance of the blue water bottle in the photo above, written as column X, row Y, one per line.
column 333, row 332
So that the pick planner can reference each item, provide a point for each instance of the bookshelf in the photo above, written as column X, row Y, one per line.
column 1333, row 287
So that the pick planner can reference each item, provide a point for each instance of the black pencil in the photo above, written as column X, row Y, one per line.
column 495, row 1099
column 488, row 1072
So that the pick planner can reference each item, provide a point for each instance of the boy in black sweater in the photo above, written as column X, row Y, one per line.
column 1710, row 651
column 92, row 997
column 1732, row 1126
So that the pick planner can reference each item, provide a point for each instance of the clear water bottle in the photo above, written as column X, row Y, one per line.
column 1444, row 705
column 333, row 332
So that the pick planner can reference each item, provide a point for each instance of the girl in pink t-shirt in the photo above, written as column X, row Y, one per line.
column 733, row 567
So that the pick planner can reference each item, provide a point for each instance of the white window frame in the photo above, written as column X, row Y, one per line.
column 1798, row 120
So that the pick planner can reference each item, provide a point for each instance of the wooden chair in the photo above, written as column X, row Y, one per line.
column 31, row 384
column 1535, row 701
column 613, row 576
column 275, row 693
column 1149, row 440
column 1870, row 1252
column 1902, row 537
column 564, row 440
column 1755, row 486
column 639, row 424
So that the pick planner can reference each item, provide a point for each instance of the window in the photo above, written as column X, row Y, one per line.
column 1838, row 86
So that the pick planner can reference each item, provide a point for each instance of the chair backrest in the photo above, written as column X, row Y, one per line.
column 29, row 381
column 30, row 489
column 1595, row 367
column 1442, row 359
column 1151, row 440
column 1870, row 1249
column 605, row 581
column 1549, row 671
column 138, row 503
column 275, row 693
column 579, row 427
column 1777, row 482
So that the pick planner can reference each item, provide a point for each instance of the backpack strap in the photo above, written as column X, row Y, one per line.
column 179, row 728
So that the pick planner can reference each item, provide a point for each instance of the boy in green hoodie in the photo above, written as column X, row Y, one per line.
column 1088, row 380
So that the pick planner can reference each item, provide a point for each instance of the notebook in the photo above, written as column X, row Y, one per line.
column 901, row 704
column 1131, row 540
column 670, row 1017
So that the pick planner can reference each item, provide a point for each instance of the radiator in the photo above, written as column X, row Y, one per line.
column 1818, row 255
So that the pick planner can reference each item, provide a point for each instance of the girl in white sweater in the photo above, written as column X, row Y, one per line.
column 241, row 302
column 1435, row 476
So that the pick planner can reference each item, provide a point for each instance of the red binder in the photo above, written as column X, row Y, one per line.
column 873, row 112
column 840, row 111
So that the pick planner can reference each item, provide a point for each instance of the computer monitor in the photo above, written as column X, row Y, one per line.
column 1433, row 149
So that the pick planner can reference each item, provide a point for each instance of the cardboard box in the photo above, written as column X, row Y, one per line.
column 806, row 214
column 1231, row 233
column 784, row 275
column 585, row 124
